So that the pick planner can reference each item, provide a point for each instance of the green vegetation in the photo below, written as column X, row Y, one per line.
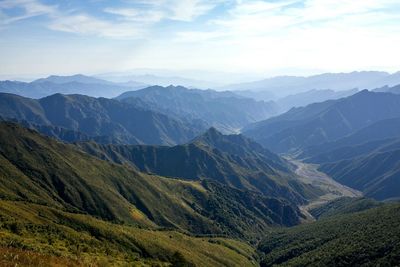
column 233, row 160
column 42, row 171
column 36, row 235
column 367, row 238
column 343, row 205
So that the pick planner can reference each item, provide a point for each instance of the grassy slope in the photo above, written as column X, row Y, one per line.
column 230, row 159
column 40, row 234
column 368, row 238
column 40, row 170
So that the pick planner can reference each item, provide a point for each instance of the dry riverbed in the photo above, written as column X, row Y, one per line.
column 308, row 173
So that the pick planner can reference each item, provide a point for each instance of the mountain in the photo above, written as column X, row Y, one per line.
column 312, row 96
column 229, row 159
column 79, row 78
column 323, row 122
column 168, row 80
column 388, row 89
column 224, row 110
column 100, row 118
column 191, row 79
column 365, row 160
column 367, row 238
column 376, row 136
column 39, row 170
column 76, row 84
column 60, row 204
column 285, row 85
column 375, row 174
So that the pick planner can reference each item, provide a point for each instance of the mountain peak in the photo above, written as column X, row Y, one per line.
column 79, row 78
column 209, row 137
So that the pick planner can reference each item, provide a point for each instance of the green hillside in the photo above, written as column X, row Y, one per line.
column 368, row 238
column 343, row 205
column 40, row 170
column 36, row 235
column 229, row 159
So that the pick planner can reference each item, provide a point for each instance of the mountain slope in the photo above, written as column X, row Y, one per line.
column 229, row 159
column 120, row 122
column 324, row 122
column 368, row 238
column 344, row 205
column 39, row 170
column 311, row 96
column 36, row 235
column 376, row 174
column 370, row 138
column 223, row 110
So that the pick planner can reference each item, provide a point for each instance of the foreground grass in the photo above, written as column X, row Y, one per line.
column 31, row 235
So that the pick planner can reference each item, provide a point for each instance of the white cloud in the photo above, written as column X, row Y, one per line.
column 31, row 8
column 84, row 24
column 187, row 10
column 136, row 15
column 312, row 34
column 157, row 10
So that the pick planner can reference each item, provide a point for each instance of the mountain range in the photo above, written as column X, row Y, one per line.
column 100, row 118
column 161, row 176
column 228, row 159
column 281, row 86
column 309, row 97
column 39, row 170
column 75, row 84
column 224, row 110
column 324, row 122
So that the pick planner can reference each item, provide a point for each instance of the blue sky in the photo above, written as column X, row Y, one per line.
column 41, row 37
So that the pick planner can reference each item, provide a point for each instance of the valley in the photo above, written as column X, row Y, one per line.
column 309, row 174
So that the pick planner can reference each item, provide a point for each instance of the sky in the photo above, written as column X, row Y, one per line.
column 252, row 37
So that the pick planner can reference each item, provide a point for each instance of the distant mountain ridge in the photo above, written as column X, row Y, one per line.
column 365, row 140
column 75, row 84
column 99, row 118
column 312, row 96
column 324, row 122
column 388, row 89
column 224, row 110
column 285, row 85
